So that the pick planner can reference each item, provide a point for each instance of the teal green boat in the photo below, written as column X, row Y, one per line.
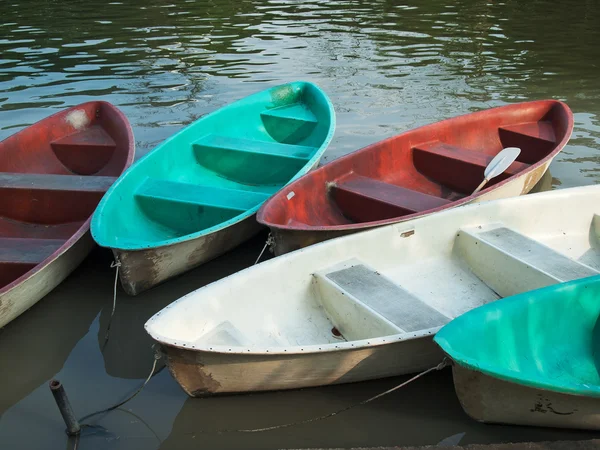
column 195, row 196
column 530, row 359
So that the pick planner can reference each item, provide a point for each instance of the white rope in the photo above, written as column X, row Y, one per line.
column 115, row 264
column 270, row 241
column 440, row 366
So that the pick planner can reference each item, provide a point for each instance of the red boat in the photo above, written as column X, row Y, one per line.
column 52, row 176
column 418, row 172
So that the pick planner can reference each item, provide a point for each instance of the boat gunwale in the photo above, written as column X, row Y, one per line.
column 360, row 344
column 580, row 389
column 360, row 226
column 85, row 226
column 400, row 227
column 313, row 161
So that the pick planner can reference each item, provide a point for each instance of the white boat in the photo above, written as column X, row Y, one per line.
column 367, row 305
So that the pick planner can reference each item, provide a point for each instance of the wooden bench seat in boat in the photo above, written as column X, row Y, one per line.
column 210, row 196
column 52, row 182
column 226, row 334
column 183, row 206
column 27, row 251
column 16, row 229
column 535, row 139
column 363, row 199
column 271, row 149
column 362, row 303
column 496, row 253
column 17, row 256
column 85, row 152
column 50, row 198
column 458, row 168
column 249, row 160
column 290, row 123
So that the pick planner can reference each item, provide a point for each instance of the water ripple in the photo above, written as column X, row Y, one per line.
column 387, row 66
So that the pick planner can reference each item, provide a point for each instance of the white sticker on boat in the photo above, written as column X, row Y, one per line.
column 291, row 195
column 78, row 119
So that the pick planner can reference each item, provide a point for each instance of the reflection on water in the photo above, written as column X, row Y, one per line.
column 388, row 66
column 64, row 336
column 34, row 353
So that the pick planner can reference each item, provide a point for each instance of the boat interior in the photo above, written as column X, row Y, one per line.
column 420, row 170
column 50, row 186
column 224, row 165
column 401, row 287
column 231, row 175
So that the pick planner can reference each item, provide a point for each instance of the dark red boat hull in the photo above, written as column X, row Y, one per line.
column 52, row 176
column 418, row 172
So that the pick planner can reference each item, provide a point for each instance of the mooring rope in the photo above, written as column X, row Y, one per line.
column 270, row 241
column 115, row 264
column 157, row 356
column 440, row 366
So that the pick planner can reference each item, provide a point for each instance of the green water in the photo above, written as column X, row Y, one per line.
column 387, row 66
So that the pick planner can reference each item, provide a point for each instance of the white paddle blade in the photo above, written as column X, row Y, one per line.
column 501, row 162
column 498, row 165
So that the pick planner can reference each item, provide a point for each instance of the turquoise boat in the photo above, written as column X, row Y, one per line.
column 195, row 196
column 530, row 359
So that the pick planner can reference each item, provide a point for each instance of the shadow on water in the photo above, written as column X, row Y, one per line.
column 129, row 349
column 36, row 345
column 62, row 336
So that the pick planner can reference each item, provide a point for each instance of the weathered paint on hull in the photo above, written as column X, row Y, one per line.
column 170, row 212
column 24, row 295
column 489, row 399
column 435, row 259
column 202, row 373
column 142, row 269
column 288, row 240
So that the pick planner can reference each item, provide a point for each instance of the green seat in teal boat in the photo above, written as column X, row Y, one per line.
column 530, row 359
column 194, row 197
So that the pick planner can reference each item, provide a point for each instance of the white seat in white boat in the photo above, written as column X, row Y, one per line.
column 365, row 303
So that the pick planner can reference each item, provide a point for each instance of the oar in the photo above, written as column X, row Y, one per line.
column 498, row 165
